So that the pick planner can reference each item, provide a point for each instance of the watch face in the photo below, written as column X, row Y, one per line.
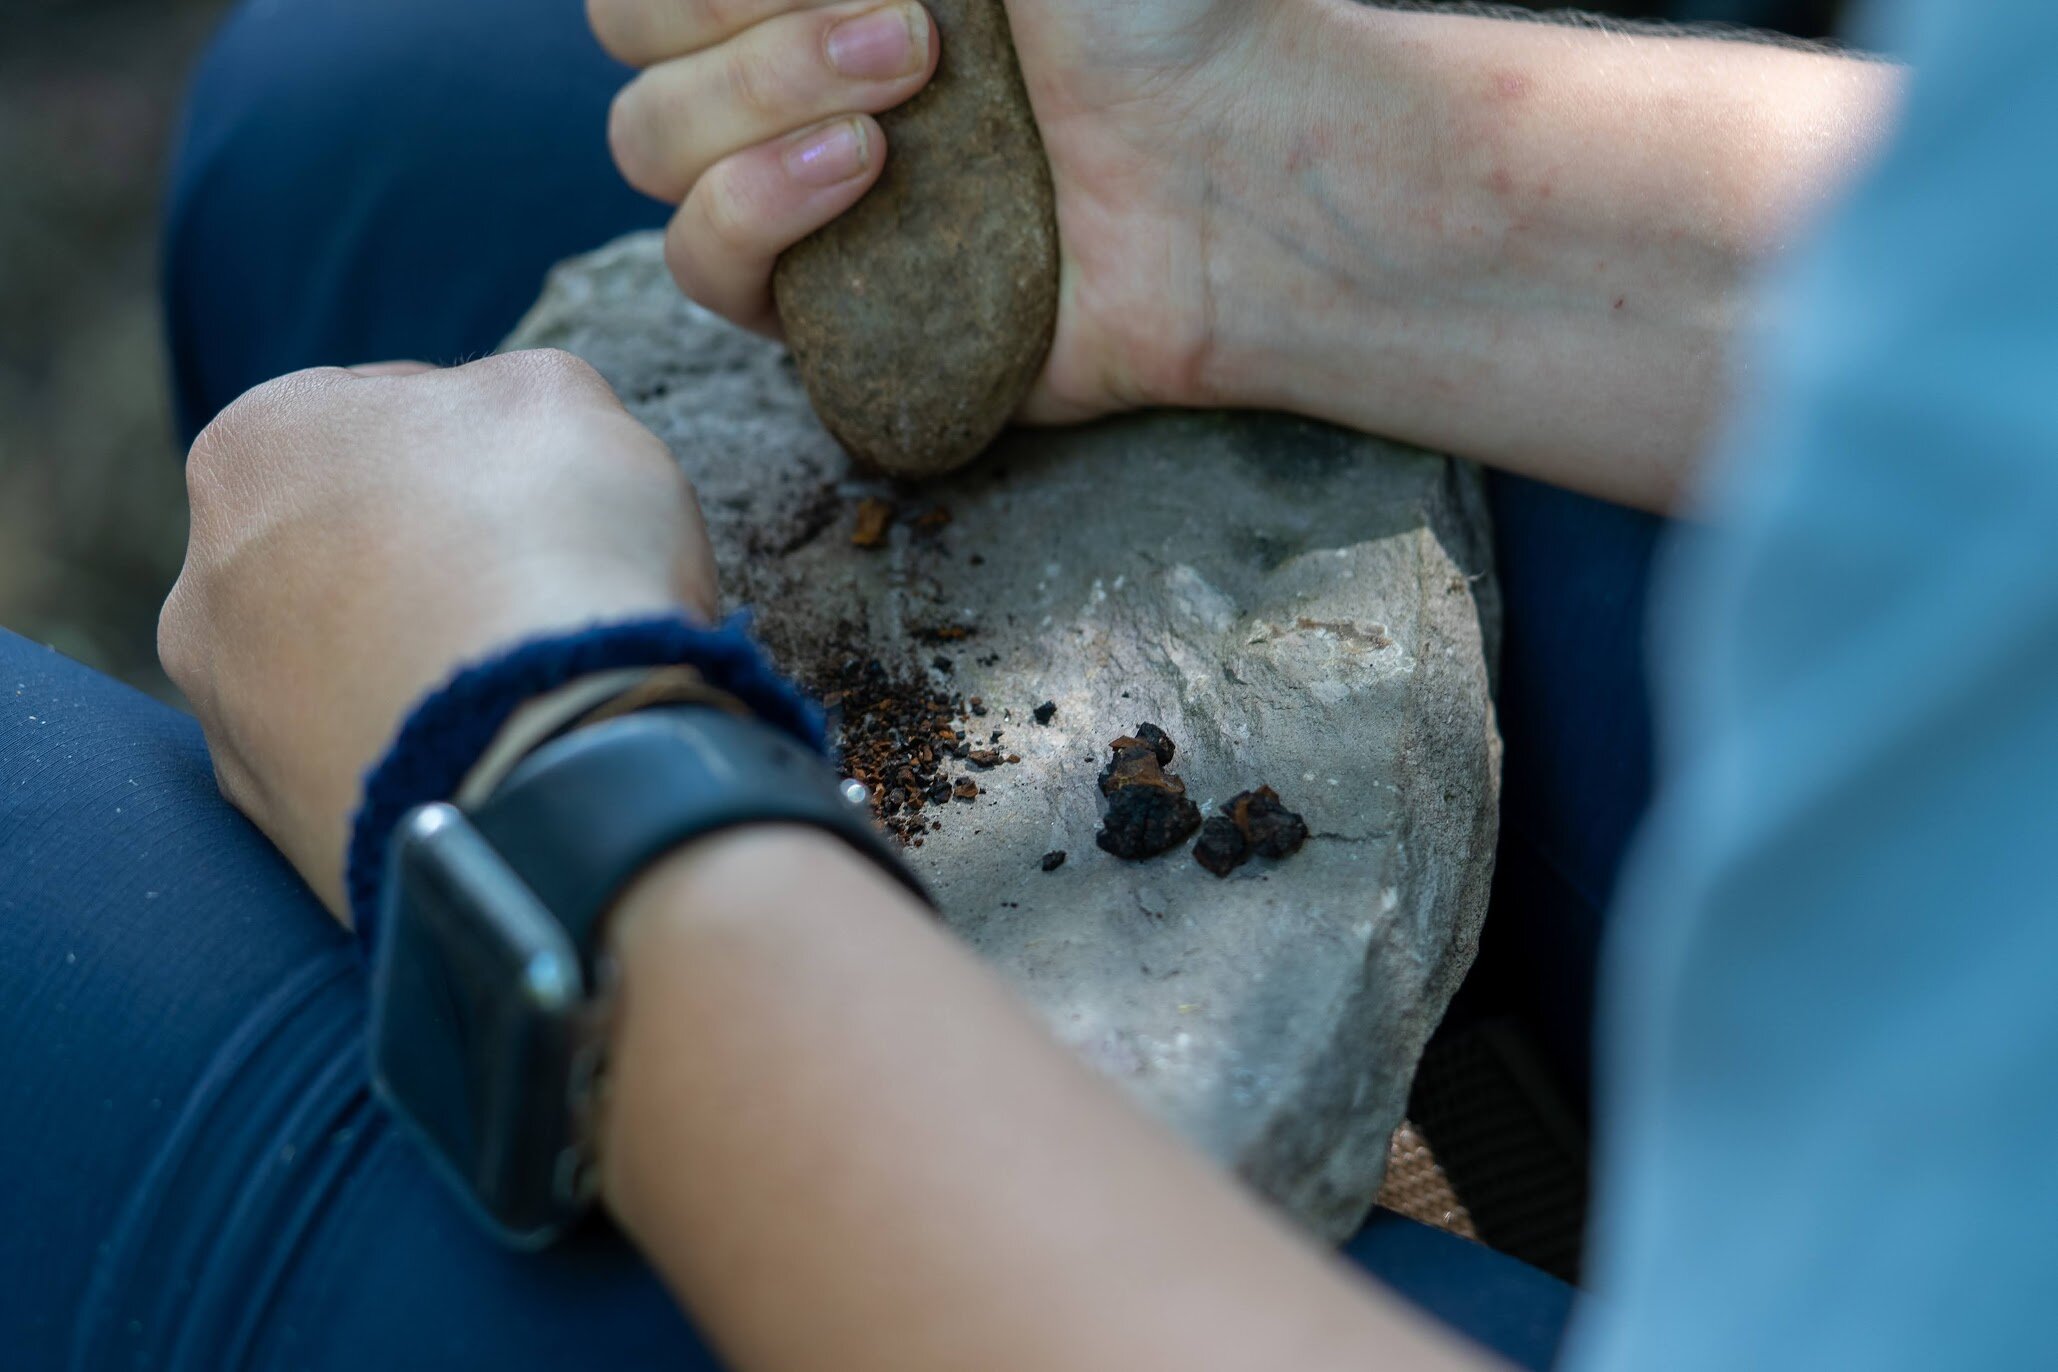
column 477, row 1008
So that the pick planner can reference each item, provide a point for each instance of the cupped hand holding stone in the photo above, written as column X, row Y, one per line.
column 757, row 118
column 358, row 534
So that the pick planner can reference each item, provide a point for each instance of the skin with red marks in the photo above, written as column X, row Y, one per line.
column 1459, row 240
column 1509, row 86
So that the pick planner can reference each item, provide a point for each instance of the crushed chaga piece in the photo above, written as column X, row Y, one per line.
column 984, row 758
column 943, row 664
column 966, row 789
column 946, row 633
column 1222, row 847
column 1148, row 812
column 933, row 521
column 1014, row 759
column 1160, row 742
column 1053, row 861
column 874, row 518
column 1273, row 830
column 1140, row 762
column 1254, row 824
column 1144, row 821
column 1046, row 712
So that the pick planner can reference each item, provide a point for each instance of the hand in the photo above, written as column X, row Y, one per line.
column 357, row 535
column 743, row 117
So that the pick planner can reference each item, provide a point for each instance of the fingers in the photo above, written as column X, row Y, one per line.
column 643, row 32
column 680, row 118
column 749, row 208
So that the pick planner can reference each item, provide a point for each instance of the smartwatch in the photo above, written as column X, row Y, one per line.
column 491, row 998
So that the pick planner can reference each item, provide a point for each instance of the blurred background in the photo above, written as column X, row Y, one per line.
column 92, row 511
column 92, row 505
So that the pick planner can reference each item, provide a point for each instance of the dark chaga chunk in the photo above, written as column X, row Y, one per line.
column 1274, row 831
column 1140, row 760
column 1222, row 847
column 1046, row 712
column 1159, row 742
column 1144, row 821
column 1053, row 861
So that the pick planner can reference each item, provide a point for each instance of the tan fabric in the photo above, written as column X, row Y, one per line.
column 580, row 704
column 1417, row 1187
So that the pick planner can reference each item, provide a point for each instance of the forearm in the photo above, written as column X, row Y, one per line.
column 844, row 1143
column 1524, row 243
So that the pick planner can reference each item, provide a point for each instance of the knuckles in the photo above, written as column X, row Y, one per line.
column 251, row 427
column 548, row 375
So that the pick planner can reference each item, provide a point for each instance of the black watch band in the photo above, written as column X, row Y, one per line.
column 582, row 817
column 490, row 1002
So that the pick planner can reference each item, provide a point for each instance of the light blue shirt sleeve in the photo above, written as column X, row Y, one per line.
column 1830, row 1046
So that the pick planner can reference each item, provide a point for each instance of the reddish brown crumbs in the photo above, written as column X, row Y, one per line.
column 889, row 727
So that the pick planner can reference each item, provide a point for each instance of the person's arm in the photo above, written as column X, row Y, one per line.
column 846, row 1144
column 1520, row 242
column 839, row 1138
column 1525, row 243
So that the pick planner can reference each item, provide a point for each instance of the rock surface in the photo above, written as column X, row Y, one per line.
column 1299, row 607
column 921, row 317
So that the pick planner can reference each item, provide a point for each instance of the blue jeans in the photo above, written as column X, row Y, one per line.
column 195, row 1176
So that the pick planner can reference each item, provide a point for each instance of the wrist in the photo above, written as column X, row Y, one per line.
column 744, row 874
column 1511, row 241
column 715, row 907
column 444, row 737
column 1329, row 197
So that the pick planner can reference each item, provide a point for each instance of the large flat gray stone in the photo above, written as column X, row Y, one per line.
column 1298, row 606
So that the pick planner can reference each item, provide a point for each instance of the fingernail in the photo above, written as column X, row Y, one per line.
column 881, row 45
column 828, row 156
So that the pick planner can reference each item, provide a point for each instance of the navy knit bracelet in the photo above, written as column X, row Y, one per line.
column 450, row 730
